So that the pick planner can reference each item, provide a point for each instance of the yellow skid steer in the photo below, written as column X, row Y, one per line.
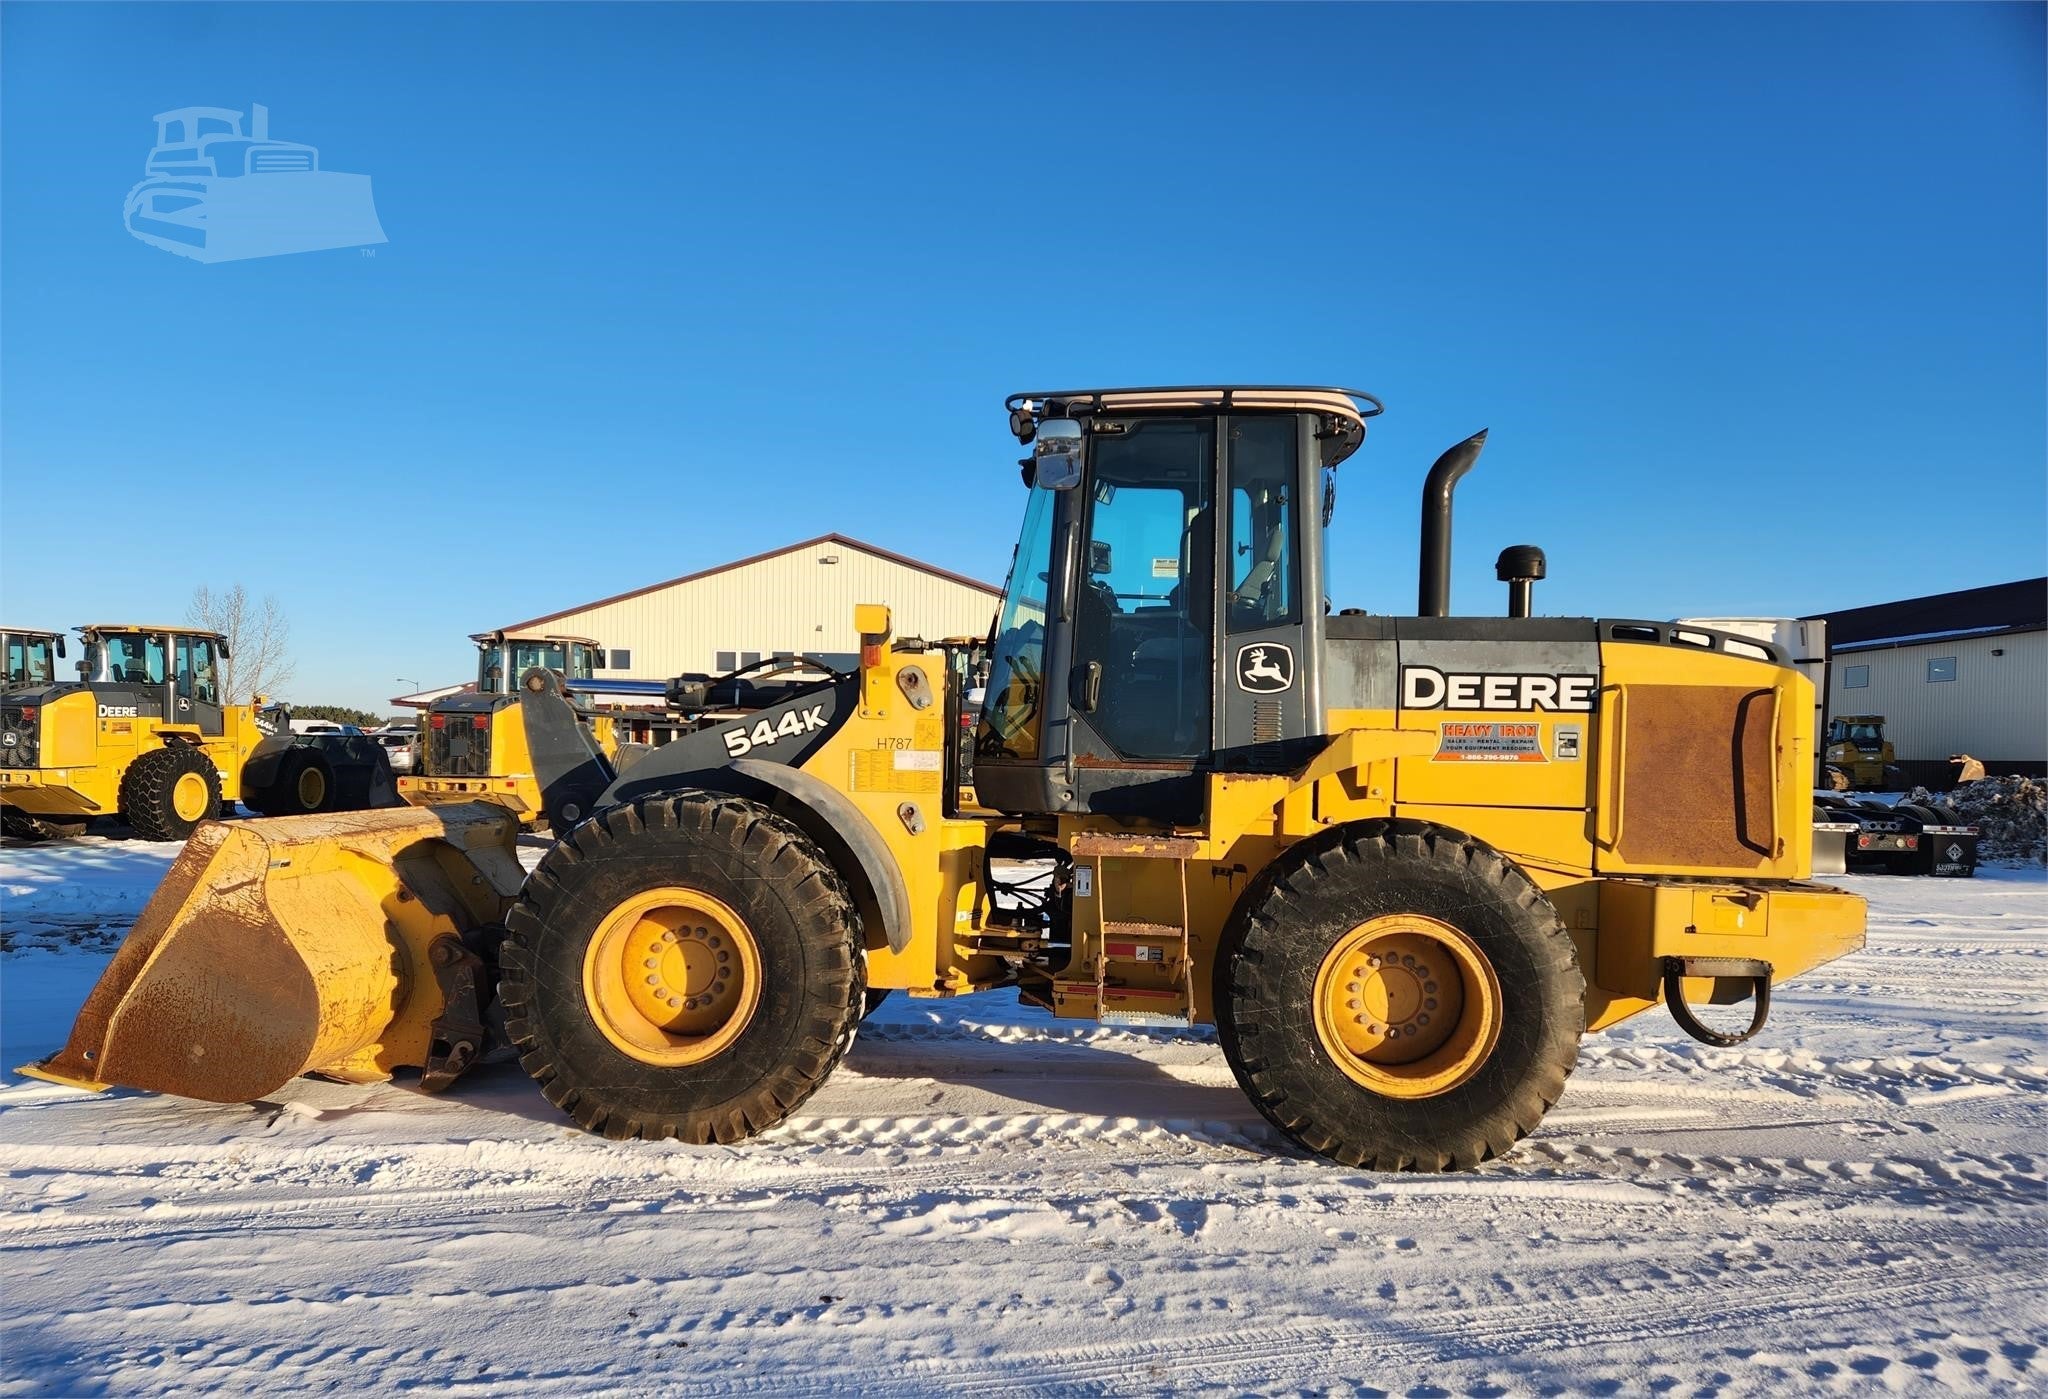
column 1403, row 864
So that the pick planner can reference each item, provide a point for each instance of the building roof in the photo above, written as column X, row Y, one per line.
column 844, row 541
column 2001, row 607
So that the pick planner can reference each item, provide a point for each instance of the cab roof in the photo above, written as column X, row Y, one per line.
column 181, row 629
column 1344, row 410
column 493, row 638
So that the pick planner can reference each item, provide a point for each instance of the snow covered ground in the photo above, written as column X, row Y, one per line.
column 986, row 1199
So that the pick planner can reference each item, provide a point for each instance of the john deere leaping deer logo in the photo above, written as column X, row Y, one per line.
column 1265, row 668
column 215, row 191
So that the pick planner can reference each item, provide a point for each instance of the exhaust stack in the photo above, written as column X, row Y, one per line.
column 1433, row 588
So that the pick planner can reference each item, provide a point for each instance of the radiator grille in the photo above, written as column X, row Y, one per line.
column 25, row 734
column 458, row 748
column 1697, row 776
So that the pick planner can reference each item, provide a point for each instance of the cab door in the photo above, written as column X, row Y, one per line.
column 197, row 691
column 1143, row 607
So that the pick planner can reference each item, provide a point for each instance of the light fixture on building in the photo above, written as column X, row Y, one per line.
column 1998, row 650
column 829, row 558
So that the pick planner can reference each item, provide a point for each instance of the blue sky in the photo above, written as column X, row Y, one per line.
column 1751, row 297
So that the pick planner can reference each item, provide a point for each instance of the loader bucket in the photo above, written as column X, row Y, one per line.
column 329, row 944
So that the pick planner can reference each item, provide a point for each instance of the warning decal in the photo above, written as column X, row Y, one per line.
column 1489, row 743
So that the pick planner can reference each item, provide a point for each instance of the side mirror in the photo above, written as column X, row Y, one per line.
column 1056, row 454
column 1098, row 556
column 60, row 646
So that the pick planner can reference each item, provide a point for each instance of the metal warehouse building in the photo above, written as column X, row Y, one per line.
column 790, row 600
column 1962, row 672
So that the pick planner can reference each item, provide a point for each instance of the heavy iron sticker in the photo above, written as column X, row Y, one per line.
column 1461, row 742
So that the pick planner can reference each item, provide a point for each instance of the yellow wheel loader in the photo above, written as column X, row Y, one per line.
column 146, row 734
column 1857, row 755
column 1401, row 863
column 473, row 745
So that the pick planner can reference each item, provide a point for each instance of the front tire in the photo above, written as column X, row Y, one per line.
column 1399, row 996
column 682, row 966
column 168, row 791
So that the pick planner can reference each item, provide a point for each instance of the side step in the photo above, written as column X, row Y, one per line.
column 1157, row 955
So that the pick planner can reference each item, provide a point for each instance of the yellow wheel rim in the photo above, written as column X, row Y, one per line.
column 312, row 787
column 1407, row 1006
column 188, row 796
column 672, row 976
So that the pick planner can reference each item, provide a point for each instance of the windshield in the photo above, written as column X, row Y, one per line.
column 136, row 658
column 524, row 656
column 1013, row 709
column 30, row 660
column 582, row 662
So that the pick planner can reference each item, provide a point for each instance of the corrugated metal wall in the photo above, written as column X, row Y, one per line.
column 791, row 602
column 1995, row 709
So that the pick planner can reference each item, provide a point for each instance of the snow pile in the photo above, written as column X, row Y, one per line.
column 2010, row 814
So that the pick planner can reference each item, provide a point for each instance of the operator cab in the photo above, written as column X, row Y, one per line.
column 174, row 672
column 502, row 657
column 1865, row 732
column 1163, row 613
column 32, row 657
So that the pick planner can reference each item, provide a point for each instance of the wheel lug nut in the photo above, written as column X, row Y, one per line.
column 1429, row 1004
column 1429, row 988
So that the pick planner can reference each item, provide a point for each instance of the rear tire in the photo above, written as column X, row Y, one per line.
column 168, row 791
column 1486, row 1053
column 19, row 825
column 656, row 884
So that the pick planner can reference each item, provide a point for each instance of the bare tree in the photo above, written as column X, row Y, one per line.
column 259, row 637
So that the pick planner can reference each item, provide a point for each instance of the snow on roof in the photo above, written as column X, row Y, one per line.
column 1877, row 642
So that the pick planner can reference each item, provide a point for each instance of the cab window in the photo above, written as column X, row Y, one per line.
column 198, row 677
column 136, row 658
column 1265, row 590
column 1147, row 590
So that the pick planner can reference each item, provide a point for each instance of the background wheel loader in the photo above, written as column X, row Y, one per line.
column 145, row 734
column 474, row 745
column 1402, row 863
column 1857, row 756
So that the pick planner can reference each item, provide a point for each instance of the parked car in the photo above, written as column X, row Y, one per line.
column 397, row 747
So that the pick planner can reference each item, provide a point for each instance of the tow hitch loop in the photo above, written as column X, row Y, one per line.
column 1758, row 974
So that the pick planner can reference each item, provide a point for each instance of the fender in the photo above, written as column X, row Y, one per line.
column 823, row 813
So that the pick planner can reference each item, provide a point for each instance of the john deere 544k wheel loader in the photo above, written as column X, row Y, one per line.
column 1403, row 863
